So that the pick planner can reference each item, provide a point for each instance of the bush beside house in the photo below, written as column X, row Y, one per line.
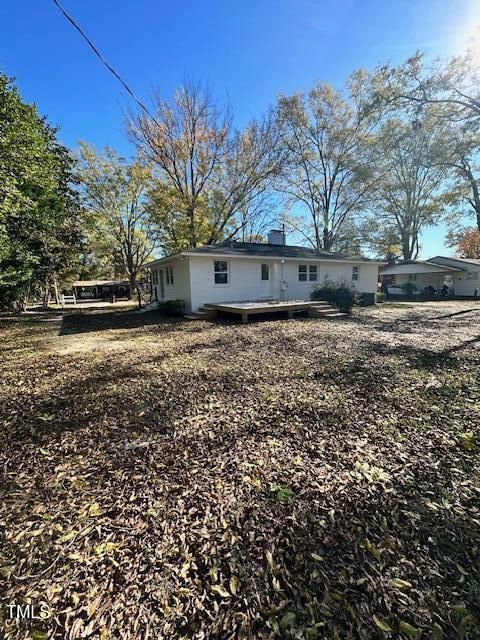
column 341, row 297
column 174, row 308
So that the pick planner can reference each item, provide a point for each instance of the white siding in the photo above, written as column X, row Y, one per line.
column 467, row 282
column 245, row 279
column 181, row 281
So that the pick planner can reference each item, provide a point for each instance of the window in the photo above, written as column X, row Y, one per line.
column 169, row 275
column 309, row 273
column 265, row 272
column 472, row 275
column 220, row 268
column 355, row 273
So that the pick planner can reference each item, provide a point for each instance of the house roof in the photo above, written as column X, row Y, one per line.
column 418, row 266
column 98, row 283
column 473, row 261
column 264, row 250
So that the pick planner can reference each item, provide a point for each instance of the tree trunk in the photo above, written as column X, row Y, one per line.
column 327, row 244
column 475, row 202
column 132, row 277
column 55, row 289
column 46, row 293
column 26, row 296
column 406, row 249
column 193, row 235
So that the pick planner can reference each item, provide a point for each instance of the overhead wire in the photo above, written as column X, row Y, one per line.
column 103, row 60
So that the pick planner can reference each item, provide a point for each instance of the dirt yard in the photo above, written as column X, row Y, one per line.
column 285, row 479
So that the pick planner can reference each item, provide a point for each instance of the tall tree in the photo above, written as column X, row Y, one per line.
column 40, row 215
column 462, row 148
column 329, row 174
column 114, row 192
column 207, row 174
column 412, row 193
column 451, row 90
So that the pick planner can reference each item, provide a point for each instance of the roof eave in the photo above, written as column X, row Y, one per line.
column 166, row 259
column 219, row 254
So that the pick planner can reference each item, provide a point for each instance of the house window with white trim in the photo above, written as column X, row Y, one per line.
column 302, row 272
column 312, row 273
column 355, row 274
column 472, row 275
column 265, row 272
column 220, row 270
column 169, row 275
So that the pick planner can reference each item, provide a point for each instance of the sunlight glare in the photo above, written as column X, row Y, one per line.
column 466, row 32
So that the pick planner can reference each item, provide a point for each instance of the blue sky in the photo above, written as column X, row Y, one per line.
column 247, row 51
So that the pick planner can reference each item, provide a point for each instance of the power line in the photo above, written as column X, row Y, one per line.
column 105, row 62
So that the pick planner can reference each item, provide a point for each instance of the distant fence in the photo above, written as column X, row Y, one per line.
column 68, row 300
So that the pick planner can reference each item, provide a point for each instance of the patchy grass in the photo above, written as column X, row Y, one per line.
column 290, row 479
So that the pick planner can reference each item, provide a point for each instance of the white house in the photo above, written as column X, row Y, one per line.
column 460, row 275
column 245, row 271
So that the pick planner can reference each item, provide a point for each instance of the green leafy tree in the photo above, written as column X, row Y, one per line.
column 114, row 193
column 40, row 215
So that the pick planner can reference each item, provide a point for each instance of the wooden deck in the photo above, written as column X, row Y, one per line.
column 318, row 309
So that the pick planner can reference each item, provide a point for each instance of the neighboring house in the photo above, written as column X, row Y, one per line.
column 241, row 271
column 460, row 275
column 101, row 289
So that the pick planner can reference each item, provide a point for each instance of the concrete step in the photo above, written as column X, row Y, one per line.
column 335, row 314
column 327, row 313
column 321, row 309
column 206, row 310
column 200, row 315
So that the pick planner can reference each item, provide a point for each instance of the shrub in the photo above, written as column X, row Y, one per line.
column 409, row 288
column 327, row 293
column 174, row 308
column 342, row 298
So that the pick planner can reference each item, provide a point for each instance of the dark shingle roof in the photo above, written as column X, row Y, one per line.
column 232, row 248
column 473, row 261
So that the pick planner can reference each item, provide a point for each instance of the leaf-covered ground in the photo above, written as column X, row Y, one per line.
column 284, row 479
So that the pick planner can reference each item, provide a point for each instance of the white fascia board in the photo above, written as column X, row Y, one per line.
column 230, row 256
column 176, row 256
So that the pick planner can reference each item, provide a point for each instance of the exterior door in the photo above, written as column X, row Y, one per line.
column 266, row 280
